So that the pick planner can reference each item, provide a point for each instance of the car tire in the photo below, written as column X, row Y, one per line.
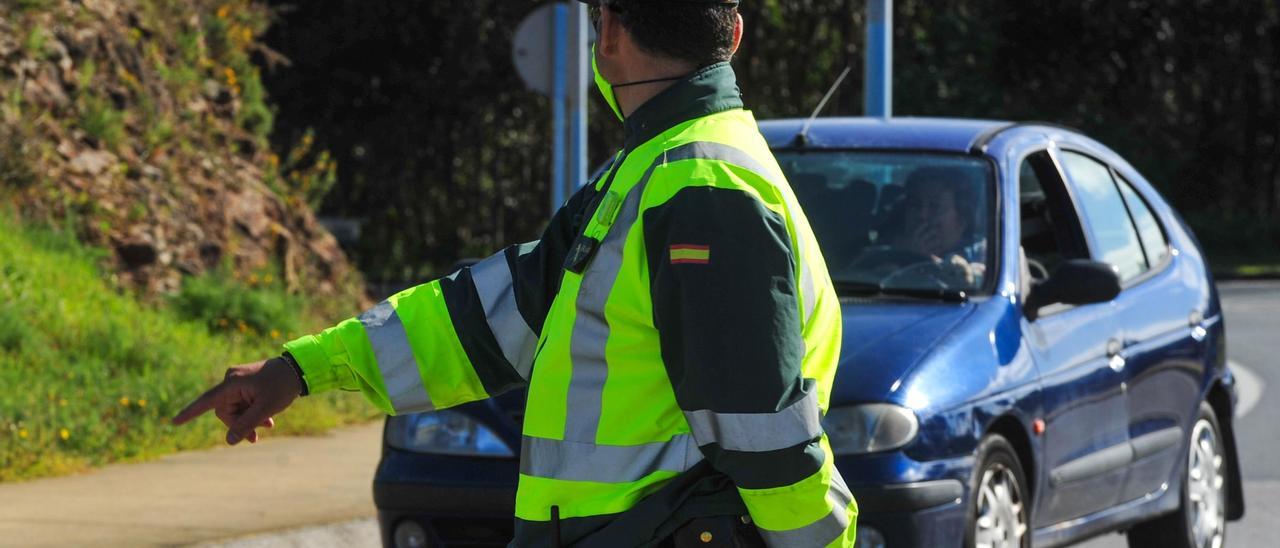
column 1200, row 520
column 999, row 507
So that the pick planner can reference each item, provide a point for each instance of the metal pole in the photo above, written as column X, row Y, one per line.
column 579, row 67
column 559, row 50
column 879, row 74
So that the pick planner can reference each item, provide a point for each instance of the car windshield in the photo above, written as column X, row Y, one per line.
column 914, row 224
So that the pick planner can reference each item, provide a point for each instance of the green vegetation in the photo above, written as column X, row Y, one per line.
column 1239, row 246
column 256, row 306
column 100, row 120
column 92, row 375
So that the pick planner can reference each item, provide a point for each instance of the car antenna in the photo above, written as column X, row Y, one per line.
column 802, row 138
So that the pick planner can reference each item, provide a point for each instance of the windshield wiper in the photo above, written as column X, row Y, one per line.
column 872, row 289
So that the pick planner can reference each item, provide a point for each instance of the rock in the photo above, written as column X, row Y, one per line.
column 67, row 149
column 137, row 252
column 248, row 211
column 92, row 162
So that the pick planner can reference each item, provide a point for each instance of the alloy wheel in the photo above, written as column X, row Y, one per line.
column 1001, row 520
column 1205, row 482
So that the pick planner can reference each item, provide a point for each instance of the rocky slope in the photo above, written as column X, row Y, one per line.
column 143, row 125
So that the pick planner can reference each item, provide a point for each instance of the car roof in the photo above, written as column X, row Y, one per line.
column 940, row 134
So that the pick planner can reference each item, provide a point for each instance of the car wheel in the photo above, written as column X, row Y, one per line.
column 1201, row 520
column 999, row 512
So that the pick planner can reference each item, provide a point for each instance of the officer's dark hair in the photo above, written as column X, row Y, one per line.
column 694, row 32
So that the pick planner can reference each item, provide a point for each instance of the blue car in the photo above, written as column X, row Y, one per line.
column 1033, row 352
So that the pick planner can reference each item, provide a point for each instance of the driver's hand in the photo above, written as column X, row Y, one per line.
column 248, row 396
column 962, row 269
column 922, row 237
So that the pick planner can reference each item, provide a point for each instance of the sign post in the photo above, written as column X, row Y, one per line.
column 551, row 55
column 879, row 73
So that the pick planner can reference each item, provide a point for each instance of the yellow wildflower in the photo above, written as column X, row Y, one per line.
column 275, row 333
column 241, row 326
column 231, row 76
column 267, row 279
column 142, row 402
column 22, row 433
column 224, row 11
column 64, row 434
column 124, row 401
column 253, row 279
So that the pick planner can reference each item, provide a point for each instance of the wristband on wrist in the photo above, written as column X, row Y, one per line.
column 302, row 378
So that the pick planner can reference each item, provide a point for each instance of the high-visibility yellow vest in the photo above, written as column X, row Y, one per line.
column 676, row 328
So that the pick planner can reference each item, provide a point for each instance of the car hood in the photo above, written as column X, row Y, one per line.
column 883, row 341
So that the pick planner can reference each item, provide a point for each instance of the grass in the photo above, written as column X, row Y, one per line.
column 102, row 121
column 1246, row 270
column 89, row 375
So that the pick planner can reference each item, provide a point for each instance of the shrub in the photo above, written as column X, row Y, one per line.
column 254, row 306
column 100, row 120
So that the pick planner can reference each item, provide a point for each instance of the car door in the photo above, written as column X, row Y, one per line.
column 1160, row 321
column 1085, row 440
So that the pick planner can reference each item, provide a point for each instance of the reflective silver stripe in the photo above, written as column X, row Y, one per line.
column 492, row 278
column 591, row 329
column 823, row 531
column 797, row 423
column 395, row 359
column 577, row 461
column 807, row 292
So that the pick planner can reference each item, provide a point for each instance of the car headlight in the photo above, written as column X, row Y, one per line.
column 445, row 433
column 869, row 428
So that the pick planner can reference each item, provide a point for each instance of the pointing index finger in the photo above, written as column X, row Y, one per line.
column 200, row 406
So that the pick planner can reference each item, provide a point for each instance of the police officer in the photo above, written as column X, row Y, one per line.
column 675, row 325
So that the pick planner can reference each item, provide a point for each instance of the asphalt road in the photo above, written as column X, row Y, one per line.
column 1253, row 345
column 1252, row 311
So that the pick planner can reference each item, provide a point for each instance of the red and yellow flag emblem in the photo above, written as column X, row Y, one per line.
column 690, row 254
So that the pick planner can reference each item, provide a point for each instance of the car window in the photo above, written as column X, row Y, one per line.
column 1051, row 227
column 1106, row 216
column 1153, row 241
column 895, row 220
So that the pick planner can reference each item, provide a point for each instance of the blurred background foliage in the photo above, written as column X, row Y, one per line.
column 442, row 153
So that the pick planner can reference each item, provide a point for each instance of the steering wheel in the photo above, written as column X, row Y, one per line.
column 902, row 263
column 1038, row 272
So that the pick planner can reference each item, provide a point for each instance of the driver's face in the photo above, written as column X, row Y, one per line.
column 931, row 212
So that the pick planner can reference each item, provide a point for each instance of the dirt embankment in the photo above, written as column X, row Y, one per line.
column 143, row 125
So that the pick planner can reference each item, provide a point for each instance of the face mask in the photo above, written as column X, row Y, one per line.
column 606, row 89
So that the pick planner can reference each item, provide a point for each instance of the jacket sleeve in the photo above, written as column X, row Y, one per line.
column 725, row 304
column 465, row 337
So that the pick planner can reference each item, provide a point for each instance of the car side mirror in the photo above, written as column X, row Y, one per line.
column 1075, row 282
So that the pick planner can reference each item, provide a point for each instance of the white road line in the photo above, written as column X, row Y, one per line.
column 1249, row 385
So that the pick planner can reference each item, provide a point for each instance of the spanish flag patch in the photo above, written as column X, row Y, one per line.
column 690, row 254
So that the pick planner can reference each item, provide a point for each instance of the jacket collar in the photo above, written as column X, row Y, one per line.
column 711, row 89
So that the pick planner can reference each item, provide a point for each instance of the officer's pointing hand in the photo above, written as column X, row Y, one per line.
column 248, row 396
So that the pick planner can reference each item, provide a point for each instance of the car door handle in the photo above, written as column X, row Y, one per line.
column 1115, row 359
column 1196, row 321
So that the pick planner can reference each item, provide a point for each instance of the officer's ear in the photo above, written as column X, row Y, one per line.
column 737, row 34
column 609, row 34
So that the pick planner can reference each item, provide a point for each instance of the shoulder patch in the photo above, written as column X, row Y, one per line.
column 690, row 254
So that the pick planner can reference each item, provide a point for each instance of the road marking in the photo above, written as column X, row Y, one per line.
column 1249, row 385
